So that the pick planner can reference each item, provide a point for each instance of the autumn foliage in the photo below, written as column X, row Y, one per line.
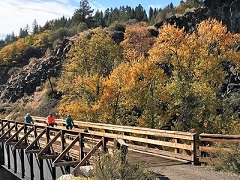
column 179, row 80
column 15, row 52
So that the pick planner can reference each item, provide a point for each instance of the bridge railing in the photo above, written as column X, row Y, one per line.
column 175, row 144
column 208, row 145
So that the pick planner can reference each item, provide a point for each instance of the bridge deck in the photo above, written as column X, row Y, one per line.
column 22, row 145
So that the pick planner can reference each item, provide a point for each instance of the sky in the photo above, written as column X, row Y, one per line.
column 16, row 14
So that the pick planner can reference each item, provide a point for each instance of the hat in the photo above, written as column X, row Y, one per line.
column 68, row 115
column 27, row 114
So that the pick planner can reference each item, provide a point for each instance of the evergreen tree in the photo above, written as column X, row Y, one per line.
column 46, row 26
column 35, row 27
column 83, row 14
column 2, row 44
column 23, row 33
column 140, row 13
column 10, row 38
column 150, row 14
column 99, row 19
column 106, row 16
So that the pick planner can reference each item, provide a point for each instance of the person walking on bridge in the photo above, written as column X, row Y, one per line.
column 28, row 119
column 69, row 122
column 51, row 120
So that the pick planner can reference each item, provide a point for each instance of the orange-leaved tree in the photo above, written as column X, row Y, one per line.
column 133, row 95
column 137, row 41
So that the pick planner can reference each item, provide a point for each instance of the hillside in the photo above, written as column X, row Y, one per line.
column 36, row 80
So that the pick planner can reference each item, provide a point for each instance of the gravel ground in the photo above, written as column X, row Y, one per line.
column 176, row 170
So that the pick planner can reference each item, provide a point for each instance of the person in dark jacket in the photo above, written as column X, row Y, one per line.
column 28, row 119
column 69, row 122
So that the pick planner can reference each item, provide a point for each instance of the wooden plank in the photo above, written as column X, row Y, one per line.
column 59, row 158
column 18, row 144
column 66, row 163
column 137, row 130
column 45, row 149
column 219, row 136
column 144, row 140
column 6, row 133
column 152, row 132
column 14, row 135
column 35, row 141
column 48, row 156
column 219, row 140
column 87, row 157
column 4, row 126
column 32, row 151
column 121, row 142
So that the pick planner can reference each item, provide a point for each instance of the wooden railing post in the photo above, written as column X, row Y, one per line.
column 25, row 132
column 2, row 146
column 81, row 145
column 104, row 146
column 2, row 126
column 16, row 128
column 123, row 147
column 62, row 140
column 8, row 149
column 194, row 151
column 2, row 153
column 176, row 141
column 22, row 163
column 35, row 135
column 9, row 134
column 15, row 151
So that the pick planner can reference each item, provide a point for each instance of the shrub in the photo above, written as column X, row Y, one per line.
column 117, row 26
column 110, row 166
column 14, row 70
column 227, row 158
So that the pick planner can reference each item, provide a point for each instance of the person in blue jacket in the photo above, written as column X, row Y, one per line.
column 69, row 122
column 28, row 119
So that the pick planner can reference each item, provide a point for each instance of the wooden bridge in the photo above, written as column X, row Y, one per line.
column 36, row 151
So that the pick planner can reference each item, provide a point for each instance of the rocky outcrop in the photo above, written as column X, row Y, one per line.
column 26, row 81
column 37, row 71
column 227, row 11
column 232, row 80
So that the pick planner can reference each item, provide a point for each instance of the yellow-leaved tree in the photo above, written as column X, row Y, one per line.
column 90, row 61
column 196, row 64
column 17, row 51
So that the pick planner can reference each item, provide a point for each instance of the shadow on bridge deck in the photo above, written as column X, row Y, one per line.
column 153, row 160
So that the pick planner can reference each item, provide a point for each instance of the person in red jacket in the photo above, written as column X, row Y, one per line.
column 50, row 120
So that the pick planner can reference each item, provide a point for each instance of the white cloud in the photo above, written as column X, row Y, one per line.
column 16, row 14
column 97, row 6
